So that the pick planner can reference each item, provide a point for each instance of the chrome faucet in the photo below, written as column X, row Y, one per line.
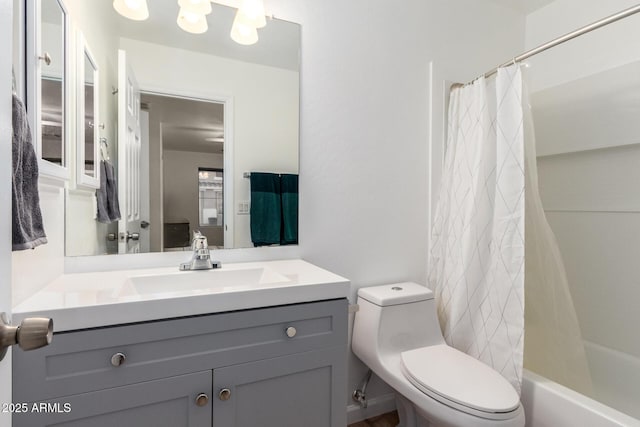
column 201, row 259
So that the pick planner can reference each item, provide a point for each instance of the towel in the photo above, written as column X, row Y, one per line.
column 107, row 194
column 289, row 198
column 27, row 231
column 266, row 209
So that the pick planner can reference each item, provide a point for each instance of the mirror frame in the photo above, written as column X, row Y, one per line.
column 33, row 65
column 82, row 179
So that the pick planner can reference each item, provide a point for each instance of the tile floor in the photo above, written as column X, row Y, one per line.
column 385, row 420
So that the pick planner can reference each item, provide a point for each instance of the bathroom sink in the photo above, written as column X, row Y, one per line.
column 204, row 280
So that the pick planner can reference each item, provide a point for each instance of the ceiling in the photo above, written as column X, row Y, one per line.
column 278, row 44
column 524, row 6
column 187, row 123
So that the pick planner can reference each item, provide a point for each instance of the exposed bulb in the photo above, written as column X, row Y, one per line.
column 252, row 13
column 242, row 33
column 192, row 22
column 136, row 10
column 199, row 7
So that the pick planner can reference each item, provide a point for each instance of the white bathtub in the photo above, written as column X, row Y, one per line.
column 548, row 404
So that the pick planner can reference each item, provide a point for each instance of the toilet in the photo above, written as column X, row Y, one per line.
column 397, row 335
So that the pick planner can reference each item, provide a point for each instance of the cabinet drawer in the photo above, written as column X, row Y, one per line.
column 81, row 361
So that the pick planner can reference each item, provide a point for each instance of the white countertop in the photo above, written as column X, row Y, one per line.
column 88, row 300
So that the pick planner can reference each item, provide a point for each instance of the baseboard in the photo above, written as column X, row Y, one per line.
column 376, row 406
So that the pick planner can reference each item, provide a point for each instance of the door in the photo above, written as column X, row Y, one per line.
column 182, row 401
column 145, row 225
column 129, row 148
column 305, row 389
column 6, row 25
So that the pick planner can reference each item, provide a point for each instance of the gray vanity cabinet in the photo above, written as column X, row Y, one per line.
column 277, row 366
column 169, row 402
column 286, row 391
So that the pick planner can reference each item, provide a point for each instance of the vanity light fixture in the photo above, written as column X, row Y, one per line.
column 243, row 33
column 132, row 9
column 190, row 22
column 199, row 7
column 249, row 17
column 251, row 12
column 192, row 17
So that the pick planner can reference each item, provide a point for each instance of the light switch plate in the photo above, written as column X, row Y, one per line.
column 243, row 208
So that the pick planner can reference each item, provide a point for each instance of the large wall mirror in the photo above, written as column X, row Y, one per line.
column 187, row 118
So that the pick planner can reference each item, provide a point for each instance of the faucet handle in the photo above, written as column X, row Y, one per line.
column 199, row 241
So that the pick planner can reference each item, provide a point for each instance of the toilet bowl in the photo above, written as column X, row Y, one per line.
column 397, row 335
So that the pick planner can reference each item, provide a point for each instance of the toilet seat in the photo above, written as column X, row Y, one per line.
column 460, row 381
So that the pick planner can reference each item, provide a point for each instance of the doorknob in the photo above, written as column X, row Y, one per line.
column 129, row 236
column 33, row 332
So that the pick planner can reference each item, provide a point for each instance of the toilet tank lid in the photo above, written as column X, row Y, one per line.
column 396, row 293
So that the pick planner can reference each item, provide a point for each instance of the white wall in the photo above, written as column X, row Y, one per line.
column 365, row 125
column 586, row 98
column 265, row 109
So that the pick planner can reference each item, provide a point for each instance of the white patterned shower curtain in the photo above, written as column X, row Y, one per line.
column 476, row 265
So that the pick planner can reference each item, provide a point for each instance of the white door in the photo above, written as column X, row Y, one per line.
column 129, row 145
column 145, row 225
column 6, row 26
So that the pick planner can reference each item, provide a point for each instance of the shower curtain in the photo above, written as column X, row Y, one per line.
column 477, row 257
column 552, row 340
column 476, row 263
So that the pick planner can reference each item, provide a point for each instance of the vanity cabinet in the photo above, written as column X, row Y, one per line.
column 169, row 402
column 276, row 366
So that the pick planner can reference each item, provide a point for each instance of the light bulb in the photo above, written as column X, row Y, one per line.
column 132, row 9
column 192, row 22
column 252, row 13
column 243, row 33
column 199, row 7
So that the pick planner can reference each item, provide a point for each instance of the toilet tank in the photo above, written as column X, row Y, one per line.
column 394, row 318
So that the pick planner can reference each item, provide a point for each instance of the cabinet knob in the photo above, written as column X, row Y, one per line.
column 291, row 331
column 118, row 359
column 202, row 399
column 225, row 394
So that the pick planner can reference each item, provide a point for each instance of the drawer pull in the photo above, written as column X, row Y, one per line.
column 118, row 359
column 291, row 331
column 225, row 394
column 202, row 399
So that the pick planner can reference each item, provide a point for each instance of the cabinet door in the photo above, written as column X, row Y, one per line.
column 169, row 402
column 305, row 389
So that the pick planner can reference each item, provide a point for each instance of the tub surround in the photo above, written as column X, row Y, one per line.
column 88, row 300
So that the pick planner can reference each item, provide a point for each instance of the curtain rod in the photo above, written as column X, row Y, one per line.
column 555, row 42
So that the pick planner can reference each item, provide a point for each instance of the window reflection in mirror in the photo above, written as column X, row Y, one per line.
column 210, row 199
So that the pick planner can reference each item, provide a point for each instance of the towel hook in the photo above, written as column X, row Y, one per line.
column 104, row 145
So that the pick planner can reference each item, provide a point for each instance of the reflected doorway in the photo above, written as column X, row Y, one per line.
column 186, row 137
